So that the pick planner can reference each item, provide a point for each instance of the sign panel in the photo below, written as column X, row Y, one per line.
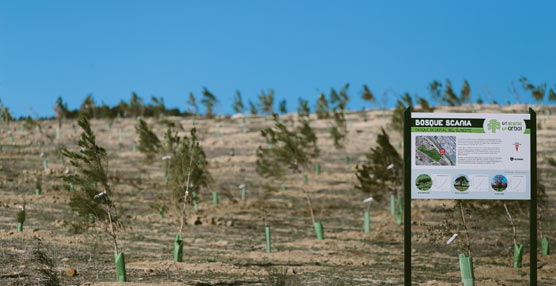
column 470, row 156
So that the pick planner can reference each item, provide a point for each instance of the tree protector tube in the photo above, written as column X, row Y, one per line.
column 120, row 267
column 466, row 268
column 319, row 230
column 178, row 249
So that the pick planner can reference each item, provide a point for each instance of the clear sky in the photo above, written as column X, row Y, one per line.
column 298, row 48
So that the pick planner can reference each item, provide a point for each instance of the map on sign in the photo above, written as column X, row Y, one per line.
column 435, row 150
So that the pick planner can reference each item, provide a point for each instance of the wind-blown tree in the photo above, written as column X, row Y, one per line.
column 192, row 104
column 61, row 110
column 93, row 192
column 238, row 103
column 303, row 109
column 188, row 174
column 339, row 99
column 5, row 113
column 282, row 107
column 380, row 175
column 156, row 107
column 448, row 96
column 291, row 150
column 88, row 107
column 552, row 94
column 404, row 102
column 252, row 108
column 338, row 130
column 537, row 92
column 209, row 100
column 266, row 102
column 136, row 106
column 368, row 95
column 149, row 144
column 322, row 108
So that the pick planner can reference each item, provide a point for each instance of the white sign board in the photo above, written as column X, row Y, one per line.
column 470, row 156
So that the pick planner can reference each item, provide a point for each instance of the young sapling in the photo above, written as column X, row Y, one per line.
column 188, row 174
column 518, row 248
column 91, row 164
column 38, row 185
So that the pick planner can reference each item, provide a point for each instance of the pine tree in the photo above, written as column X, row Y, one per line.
column 322, row 107
column 209, row 100
column 88, row 107
column 282, row 107
column 266, row 102
column 136, row 106
column 448, row 96
column 338, row 130
column 149, row 144
column 368, row 95
column 252, row 108
column 291, row 150
column 537, row 92
column 192, row 103
column 381, row 173
column 93, row 192
column 61, row 110
column 238, row 103
column 189, row 173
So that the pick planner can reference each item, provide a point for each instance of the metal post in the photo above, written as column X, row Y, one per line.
column 533, row 201
column 407, row 195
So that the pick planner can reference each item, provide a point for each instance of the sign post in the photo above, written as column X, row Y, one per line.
column 470, row 156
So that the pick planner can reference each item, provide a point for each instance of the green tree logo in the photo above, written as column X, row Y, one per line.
column 493, row 125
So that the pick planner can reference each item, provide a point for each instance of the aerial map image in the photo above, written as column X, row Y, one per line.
column 435, row 150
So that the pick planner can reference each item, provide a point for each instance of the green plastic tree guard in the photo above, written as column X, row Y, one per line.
column 178, row 249
column 91, row 219
column 37, row 191
column 243, row 191
column 214, row 198
column 195, row 205
column 120, row 267
column 267, row 237
column 19, row 227
column 72, row 188
column 466, row 268
column 367, row 225
column 518, row 255
column 399, row 214
column 244, row 130
column 545, row 250
column 305, row 179
column 319, row 230
column 133, row 148
column 283, row 188
column 317, row 168
column 45, row 164
column 160, row 213
column 11, row 138
column 346, row 160
column 121, row 136
column 57, row 132
column 392, row 205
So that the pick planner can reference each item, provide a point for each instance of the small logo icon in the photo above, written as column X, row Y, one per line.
column 493, row 125
column 517, row 144
column 511, row 158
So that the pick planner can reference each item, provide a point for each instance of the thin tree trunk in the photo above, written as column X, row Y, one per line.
column 540, row 221
column 112, row 230
column 186, row 190
column 467, row 241
column 511, row 220
column 310, row 204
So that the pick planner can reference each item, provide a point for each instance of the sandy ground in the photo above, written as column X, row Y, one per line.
column 226, row 244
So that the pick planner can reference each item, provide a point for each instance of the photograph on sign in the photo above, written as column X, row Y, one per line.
column 470, row 156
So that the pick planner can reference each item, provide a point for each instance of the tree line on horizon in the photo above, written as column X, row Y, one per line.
column 441, row 93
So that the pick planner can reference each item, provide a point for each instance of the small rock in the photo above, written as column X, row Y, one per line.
column 290, row 271
column 65, row 259
column 70, row 272
column 229, row 223
column 194, row 220
column 147, row 270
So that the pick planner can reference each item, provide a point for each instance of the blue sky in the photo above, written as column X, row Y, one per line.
column 298, row 48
